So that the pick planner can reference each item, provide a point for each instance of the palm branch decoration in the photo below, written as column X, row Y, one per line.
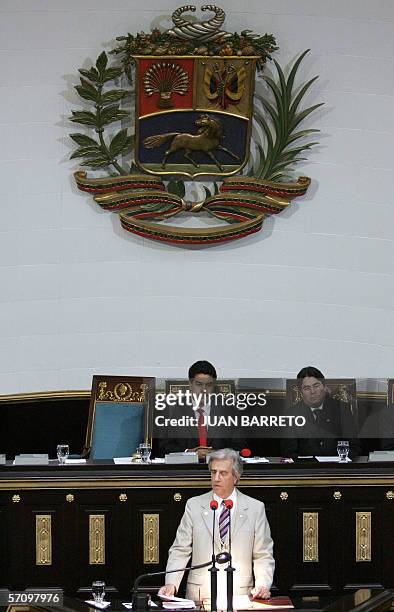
column 281, row 124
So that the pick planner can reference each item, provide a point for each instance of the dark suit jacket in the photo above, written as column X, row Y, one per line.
column 180, row 438
column 320, row 436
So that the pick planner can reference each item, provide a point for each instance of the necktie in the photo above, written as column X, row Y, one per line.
column 224, row 522
column 202, row 429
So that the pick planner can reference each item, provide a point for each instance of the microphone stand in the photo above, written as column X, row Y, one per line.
column 214, row 570
column 230, row 571
column 140, row 600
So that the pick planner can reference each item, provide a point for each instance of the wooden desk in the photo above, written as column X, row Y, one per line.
column 332, row 525
column 363, row 600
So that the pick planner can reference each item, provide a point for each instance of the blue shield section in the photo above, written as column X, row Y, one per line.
column 235, row 138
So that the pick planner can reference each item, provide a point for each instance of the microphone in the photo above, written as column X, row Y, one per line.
column 230, row 570
column 214, row 570
column 140, row 601
column 223, row 557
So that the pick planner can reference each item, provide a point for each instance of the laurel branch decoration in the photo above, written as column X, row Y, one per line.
column 139, row 198
column 99, row 154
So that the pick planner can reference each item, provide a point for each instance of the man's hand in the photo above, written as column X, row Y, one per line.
column 202, row 451
column 168, row 590
column 261, row 592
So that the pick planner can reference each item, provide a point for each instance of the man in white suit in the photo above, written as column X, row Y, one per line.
column 251, row 543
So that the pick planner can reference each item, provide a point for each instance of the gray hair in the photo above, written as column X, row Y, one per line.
column 230, row 455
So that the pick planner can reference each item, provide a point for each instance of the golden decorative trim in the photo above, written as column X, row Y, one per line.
column 96, row 539
column 220, row 387
column 363, row 536
column 177, row 497
column 151, row 531
column 42, row 395
column 122, row 392
column 202, row 482
column 123, row 497
column 390, row 494
column 70, row 498
column 43, row 539
column 16, row 499
column 337, row 495
column 284, row 496
column 310, row 537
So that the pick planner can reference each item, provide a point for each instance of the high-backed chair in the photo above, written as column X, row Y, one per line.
column 221, row 386
column 120, row 416
column 342, row 389
column 390, row 392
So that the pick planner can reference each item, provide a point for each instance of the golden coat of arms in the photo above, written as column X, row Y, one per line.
column 195, row 107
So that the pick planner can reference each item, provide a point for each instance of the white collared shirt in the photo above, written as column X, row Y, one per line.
column 316, row 410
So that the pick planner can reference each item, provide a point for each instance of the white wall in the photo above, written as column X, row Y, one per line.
column 78, row 295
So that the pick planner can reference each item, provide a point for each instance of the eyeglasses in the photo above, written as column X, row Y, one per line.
column 314, row 387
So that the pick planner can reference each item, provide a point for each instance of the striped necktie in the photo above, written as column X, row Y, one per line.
column 224, row 522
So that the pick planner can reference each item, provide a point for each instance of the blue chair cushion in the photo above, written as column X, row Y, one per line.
column 118, row 429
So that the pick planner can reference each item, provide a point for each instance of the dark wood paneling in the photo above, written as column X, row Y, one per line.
column 287, row 491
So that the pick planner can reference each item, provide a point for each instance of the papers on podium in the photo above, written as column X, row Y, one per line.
column 381, row 456
column 333, row 459
column 31, row 459
column 185, row 457
column 176, row 603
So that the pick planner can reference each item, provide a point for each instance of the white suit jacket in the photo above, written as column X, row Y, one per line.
column 251, row 546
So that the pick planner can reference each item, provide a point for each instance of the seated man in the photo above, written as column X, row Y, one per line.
column 202, row 435
column 250, row 536
column 327, row 420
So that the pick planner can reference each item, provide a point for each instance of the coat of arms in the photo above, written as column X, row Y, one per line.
column 195, row 107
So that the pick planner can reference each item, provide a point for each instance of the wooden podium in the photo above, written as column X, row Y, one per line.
column 332, row 525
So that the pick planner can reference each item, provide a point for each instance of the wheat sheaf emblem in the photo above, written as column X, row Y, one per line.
column 166, row 78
